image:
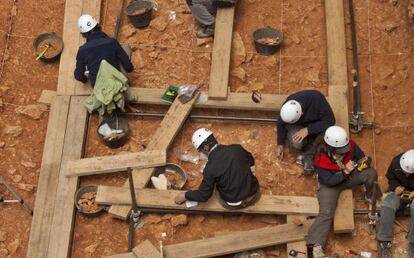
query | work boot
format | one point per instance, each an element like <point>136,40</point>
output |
<point>205,32</point>
<point>308,168</point>
<point>410,250</point>
<point>317,252</point>
<point>384,249</point>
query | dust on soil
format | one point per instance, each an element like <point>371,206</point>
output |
<point>167,53</point>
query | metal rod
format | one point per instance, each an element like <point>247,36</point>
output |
<point>355,67</point>
<point>204,117</point>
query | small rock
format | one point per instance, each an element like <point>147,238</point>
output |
<point>152,219</point>
<point>17,178</point>
<point>204,41</point>
<point>153,55</point>
<point>297,222</point>
<point>28,164</point>
<point>179,220</point>
<point>296,39</point>
<point>11,171</point>
<point>129,31</point>
<point>2,144</point>
<point>377,131</point>
<point>34,111</point>
<point>13,130</point>
<point>3,236</point>
<point>140,62</point>
<point>239,73</point>
<point>249,57</point>
<point>13,246</point>
<point>238,55</point>
<point>92,248</point>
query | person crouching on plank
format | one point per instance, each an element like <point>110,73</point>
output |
<point>335,161</point>
<point>228,169</point>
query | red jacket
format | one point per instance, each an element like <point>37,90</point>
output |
<point>323,161</point>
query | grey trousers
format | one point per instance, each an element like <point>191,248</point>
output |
<point>389,207</point>
<point>328,197</point>
<point>306,145</point>
<point>203,11</point>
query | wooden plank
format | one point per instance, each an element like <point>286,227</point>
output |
<point>239,101</point>
<point>299,245</point>
<point>338,98</point>
<point>60,243</point>
<point>123,255</point>
<point>146,250</point>
<point>162,139</point>
<point>152,198</point>
<point>47,184</point>
<point>46,97</point>
<point>220,60</point>
<point>238,242</point>
<point>115,163</point>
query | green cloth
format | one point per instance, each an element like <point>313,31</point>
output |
<point>109,87</point>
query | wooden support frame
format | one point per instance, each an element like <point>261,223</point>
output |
<point>338,98</point>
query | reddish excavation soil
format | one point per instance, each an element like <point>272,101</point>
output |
<point>167,53</point>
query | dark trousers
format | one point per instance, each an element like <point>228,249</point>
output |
<point>244,203</point>
<point>328,197</point>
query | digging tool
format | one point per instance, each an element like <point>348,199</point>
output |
<point>134,215</point>
<point>47,46</point>
<point>16,195</point>
<point>118,19</point>
<point>357,119</point>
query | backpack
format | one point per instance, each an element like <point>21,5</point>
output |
<point>224,3</point>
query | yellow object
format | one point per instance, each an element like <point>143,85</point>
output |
<point>363,163</point>
<point>43,52</point>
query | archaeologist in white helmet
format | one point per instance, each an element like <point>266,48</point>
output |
<point>303,116</point>
<point>337,162</point>
<point>400,177</point>
<point>228,172</point>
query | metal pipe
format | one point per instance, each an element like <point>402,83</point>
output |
<point>224,118</point>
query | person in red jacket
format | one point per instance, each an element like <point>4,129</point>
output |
<point>335,161</point>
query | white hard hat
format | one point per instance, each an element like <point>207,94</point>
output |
<point>86,23</point>
<point>199,136</point>
<point>407,162</point>
<point>291,111</point>
<point>337,137</point>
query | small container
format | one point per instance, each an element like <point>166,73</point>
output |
<point>139,13</point>
<point>55,49</point>
<point>264,47</point>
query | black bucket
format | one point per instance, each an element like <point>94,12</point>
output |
<point>87,189</point>
<point>139,13</point>
<point>56,46</point>
<point>115,122</point>
<point>274,40</point>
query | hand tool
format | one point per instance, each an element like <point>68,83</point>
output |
<point>256,96</point>
<point>134,215</point>
<point>47,46</point>
<point>357,122</point>
<point>16,195</point>
<point>295,253</point>
<point>363,163</point>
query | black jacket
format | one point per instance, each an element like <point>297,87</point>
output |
<point>396,176</point>
<point>317,114</point>
<point>227,169</point>
<point>99,47</point>
<point>334,177</point>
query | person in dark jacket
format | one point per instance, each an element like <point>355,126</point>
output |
<point>98,47</point>
<point>228,169</point>
<point>305,115</point>
<point>205,13</point>
<point>400,177</point>
<point>335,161</point>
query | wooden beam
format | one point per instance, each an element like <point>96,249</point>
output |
<point>146,249</point>
<point>123,255</point>
<point>152,198</point>
<point>47,184</point>
<point>239,101</point>
<point>220,61</point>
<point>60,243</point>
<point>161,140</point>
<point>298,245</point>
<point>238,242</point>
<point>115,163</point>
<point>338,98</point>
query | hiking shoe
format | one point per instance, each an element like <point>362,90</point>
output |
<point>410,250</point>
<point>384,249</point>
<point>205,32</point>
<point>308,168</point>
<point>299,160</point>
<point>318,252</point>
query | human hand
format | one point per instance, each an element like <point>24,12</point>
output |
<point>180,198</point>
<point>300,135</point>
<point>349,166</point>
<point>86,73</point>
<point>399,190</point>
<point>279,152</point>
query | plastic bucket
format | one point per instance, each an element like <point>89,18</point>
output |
<point>55,49</point>
<point>139,13</point>
<point>170,167</point>
<point>115,122</point>
<point>267,40</point>
<point>78,195</point>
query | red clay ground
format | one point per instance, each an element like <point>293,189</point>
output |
<point>167,53</point>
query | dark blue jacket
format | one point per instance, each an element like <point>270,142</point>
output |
<point>396,176</point>
<point>317,114</point>
<point>99,47</point>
